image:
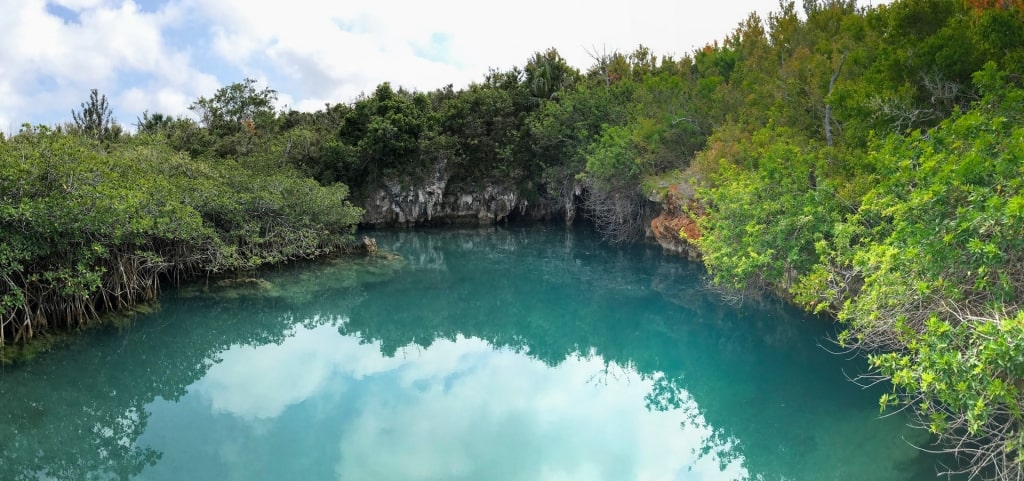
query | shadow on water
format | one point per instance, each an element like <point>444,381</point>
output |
<point>756,376</point>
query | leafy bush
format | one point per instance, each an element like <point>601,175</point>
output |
<point>766,212</point>
<point>85,229</point>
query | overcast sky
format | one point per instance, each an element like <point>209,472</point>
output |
<point>161,55</point>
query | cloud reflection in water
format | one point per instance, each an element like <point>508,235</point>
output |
<point>455,410</point>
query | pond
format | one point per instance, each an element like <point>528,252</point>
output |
<point>534,353</point>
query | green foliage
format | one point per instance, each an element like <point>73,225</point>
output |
<point>548,75</point>
<point>614,156</point>
<point>766,212</point>
<point>963,380</point>
<point>237,116</point>
<point>951,199</point>
<point>909,227</point>
<point>485,123</point>
<point>237,107</point>
<point>182,134</point>
<point>96,120</point>
<point>387,136</point>
<point>961,374</point>
<point>563,131</point>
<point>928,274</point>
<point>86,230</point>
<point>656,187</point>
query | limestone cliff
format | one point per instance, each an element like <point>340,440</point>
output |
<point>434,202</point>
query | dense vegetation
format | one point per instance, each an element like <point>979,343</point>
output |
<point>879,178</point>
<point>889,195</point>
<point>93,221</point>
<point>865,162</point>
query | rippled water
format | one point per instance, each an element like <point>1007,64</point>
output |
<point>497,354</point>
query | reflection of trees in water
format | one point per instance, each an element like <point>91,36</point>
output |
<point>583,298</point>
<point>756,371</point>
<point>667,394</point>
<point>85,426</point>
<point>83,421</point>
<point>509,287</point>
<point>89,439</point>
<point>488,291</point>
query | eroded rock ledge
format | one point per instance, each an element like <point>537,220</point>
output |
<point>435,202</point>
<point>675,228</point>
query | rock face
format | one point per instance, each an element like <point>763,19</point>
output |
<point>675,228</point>
<point>396,205</point>
<point>433,202</point>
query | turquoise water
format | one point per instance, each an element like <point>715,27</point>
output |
<point>498,354</point>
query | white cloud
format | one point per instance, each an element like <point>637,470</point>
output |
<point>333,52</point>
<point>56,61</point>
<point>261,382</point>
<point>80,4</point>
<point>313,52</point>
<point>500,415</point>
<point>459,410</point>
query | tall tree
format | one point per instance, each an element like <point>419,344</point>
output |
<point>237,117</point>
<point>237,107</point>
<point>547,74</point>
<point>96,120</point>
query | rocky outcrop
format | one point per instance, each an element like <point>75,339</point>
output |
<point>675,228</point>
<point>397,205</point>
<point>434,202</point>
<point>492,204</point>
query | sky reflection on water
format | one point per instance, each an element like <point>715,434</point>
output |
<point>502,354</point>
<point>455,410</point>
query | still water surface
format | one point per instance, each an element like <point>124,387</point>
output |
<point>498,354</point>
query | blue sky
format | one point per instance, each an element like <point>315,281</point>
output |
<point>161,55</point>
